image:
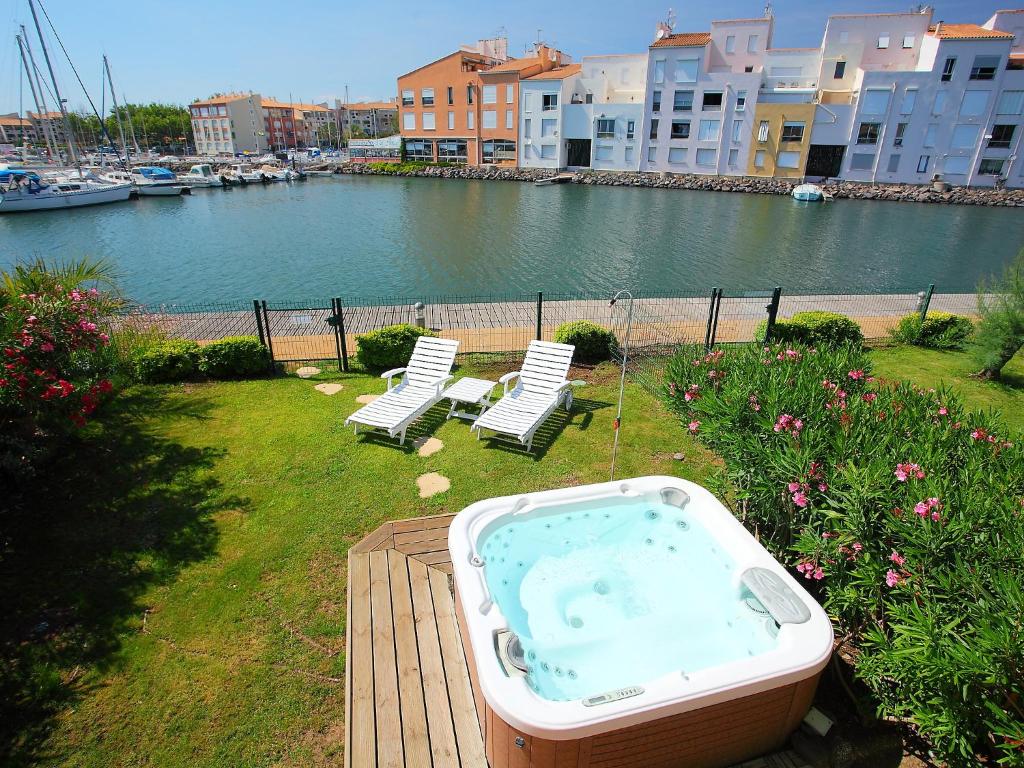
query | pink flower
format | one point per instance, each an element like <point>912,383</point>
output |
<point>818,573</point>
<point>693,426</point>
<point>856,375</point>
<point>943,411</point>
<point>931,505</point>
<point>897,558</point>
<point>46,347</point>
<point>692,393</point>
<point>857,546</point>
<point>753,403</point>
<point>892,578</point>
<point>822,487</point>
<point>869,397</point>
<point>827,535</point>
<point>792,354</point>
<point>979,434</point>
<point>672,389</point>
<point>921,508</point>
<point>904,471</point>
<point>793,487</point>
<point>800,499</point>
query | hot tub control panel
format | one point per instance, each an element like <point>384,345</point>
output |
<point>610,696</point>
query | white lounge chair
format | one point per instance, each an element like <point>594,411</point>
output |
<point>541,388</point>
<point>423,381</point>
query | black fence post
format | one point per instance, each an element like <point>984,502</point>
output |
<point>712,319</point>
<point>270,344</point>
<point>773,314</point>
<point>259,321</point>
<point>540,309</point>
<point>340,330</point>
<point>924,300</point>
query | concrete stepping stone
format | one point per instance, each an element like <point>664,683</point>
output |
<point>307,372</point>
<point>432,483</point>
<point>364,399</point>
<point>427,446</point>
<point>328,389</point>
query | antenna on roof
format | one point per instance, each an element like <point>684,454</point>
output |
<point>671,20</point>
<point>768,9</point>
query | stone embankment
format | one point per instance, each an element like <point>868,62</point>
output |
<point>1013,198</point>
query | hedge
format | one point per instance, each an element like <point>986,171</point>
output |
<point>234,357</point>
<point>814,329</point>
<point>167,361</point>
<point>593,343</point>
<point>940,330</point>
<point>388,347</point>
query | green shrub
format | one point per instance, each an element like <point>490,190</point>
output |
<point>593,343</point>
<point>940,330</point>
<point>814,329</point>
<point>234,357</point>
<point>167,361</point>
<point>1001,329</point>
<point>901,508</point>
<point>388,347</point>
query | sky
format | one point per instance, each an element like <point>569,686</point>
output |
<point>311,50</point>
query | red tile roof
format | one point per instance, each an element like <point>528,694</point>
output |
<point>967,32</point>
<point>513,65</point>
<point>558,73</point>
<point>682,40</point>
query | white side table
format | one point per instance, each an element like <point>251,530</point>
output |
<point>472,392</point>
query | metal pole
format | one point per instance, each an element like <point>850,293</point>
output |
<point>336,312</point>
<point>714,327</point>
<point>259,321</point>
<point>711,315</point>
<point>926,299</point>
<point>56,89</point>
<point>270,344</point>
<point>622,376</point>
<point>773,313</point>
<point>341,335</point>
<point>540,309</point>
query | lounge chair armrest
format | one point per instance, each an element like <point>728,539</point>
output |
<point>504,380</point>
<point>441,383</point>
<point>389,375</point>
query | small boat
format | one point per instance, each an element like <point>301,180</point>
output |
<point>808,193</point>
<point>154,181</point>
<point>201,175</point>
<point>319,172</point>
<point>25,191</point>
<point>275,173</point>
<point>244,173</point>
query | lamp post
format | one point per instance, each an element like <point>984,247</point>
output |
<point>622,377</point>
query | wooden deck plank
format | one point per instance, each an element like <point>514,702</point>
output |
<point>386,701</point>
<point>373,540</point>
<point>443,746</point>
<point>422,523</point>
<point>419,547</point>
<point>361,731</point>
<point>460,693</point>
<point>438,557</point>
<point>426,534</point>
<point>410,681</point>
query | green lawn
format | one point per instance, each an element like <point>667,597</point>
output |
<point>930,368</point>
<point>180,598</point>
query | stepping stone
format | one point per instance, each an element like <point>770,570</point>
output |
<point>328,389</point>
<point>428,446</point>
<point>364,399</point>
<point>432,483</point>
<point>307,372</point>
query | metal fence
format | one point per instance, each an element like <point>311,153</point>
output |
<point>326,329</point>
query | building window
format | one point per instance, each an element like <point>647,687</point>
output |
<point>861,162</point>
<point>549,101</point>
<point>956,165</point>
<point>490,119</point>
<point>630,128</point>
<point>548,128</point>
<point>1002,135</point>
<point>451,121</point>
<point>741,100</point>
<point>974,103</point>
<point>470,119</point>
<point>629,154</point>
<point>909,101</point>
<point>1010,103</point>
<point>734,157</point>
<point>451,95</point>
<point>730,44</point>
<point>654,129</point>
<point>844,37</point>
<point>490,94</point>
<point>908,41</point>
<point>984,67</point>
<point>939,105</point>
<point>548,151</point>
<point>686,70</point>
<point>964,137</point>
<point>419,150</point>
<point>759,159</point>
<point>706,157</point>
<point>509,120</point>
<point>922,163</point>
<point>947,69</point>
<point>991,166</point>
<point>606,128</point>
<point>748,68</point>
<point>510,94</point>
<point>929,135</point>
<point>788,160</point>
<point>708,130</point>
<point>868,133</point>
<point>682,101</point>
<point>469,93</point>
<point>894,164</point>
<point>652,154</point>
<point>656,101</point>
<point>900,130</point>
<point>680,129</point>
<point>875,101</point>
<point>427,97</point>
<point>659,71</point>
<point>762,131</point>
<point>408,121</point>
<point>792,131</point>
<point>498,149</point>
<point>840,71</point>
<point>737,130</point>
<point>712,101</point>
<point>752,42</point>
<point>883,41</point>
<point>428,121</point>
<point>452,151</point>
<point>527,128</point>
<point>677,154</point>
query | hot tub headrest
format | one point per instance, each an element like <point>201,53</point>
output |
<point>677,497</point>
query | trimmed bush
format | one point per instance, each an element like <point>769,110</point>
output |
<point>593,343</point>
<point>234,357</point>
<point>940,330</point>
<point>388,347</point>
<point>167,361</point>
<point>815,329</point>
<point>899,508</point>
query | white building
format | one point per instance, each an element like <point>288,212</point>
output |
<point>702,88</point>
<point>606,110</point>
<point>227,124</point>
<point>542,98</point>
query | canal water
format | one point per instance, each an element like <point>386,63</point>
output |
<point>378,236</point>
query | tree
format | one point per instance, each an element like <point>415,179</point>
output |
<point>328,134</point>
<point>1000,333</point>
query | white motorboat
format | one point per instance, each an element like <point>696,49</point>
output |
<point>153,181</point>
<point>808,193</point>
<point>274,173</point>
<point>245,174</point>
<point>25,191</point>
<point>201,175</point>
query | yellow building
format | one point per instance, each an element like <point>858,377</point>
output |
<point>782,137</point>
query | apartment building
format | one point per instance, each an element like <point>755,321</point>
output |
<point>702,90</point>
<point>372,119</point>
<point>543,97</point>
<point>51,121</point>
<point>229,124</point>
<point>16,130</point>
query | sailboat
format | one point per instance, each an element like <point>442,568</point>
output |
<point>22,190</point>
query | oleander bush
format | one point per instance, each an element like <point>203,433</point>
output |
<point>902,510</point>
<point>388,347</point>
<point>167,361</point>
<point>234,357</point>
<point>813,329</point>
<point>593,343</point>
<point>940,330</point>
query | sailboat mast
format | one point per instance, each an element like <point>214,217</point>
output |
<point>35,97</point>
<point>131,128</point>
<point>41,107</point>
<point>56,88</point>
<point>117,109</point>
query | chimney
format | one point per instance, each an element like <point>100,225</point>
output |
<point>938,28</point>
<point>547,60</point>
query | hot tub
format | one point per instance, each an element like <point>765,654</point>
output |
<point>630,623</point>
